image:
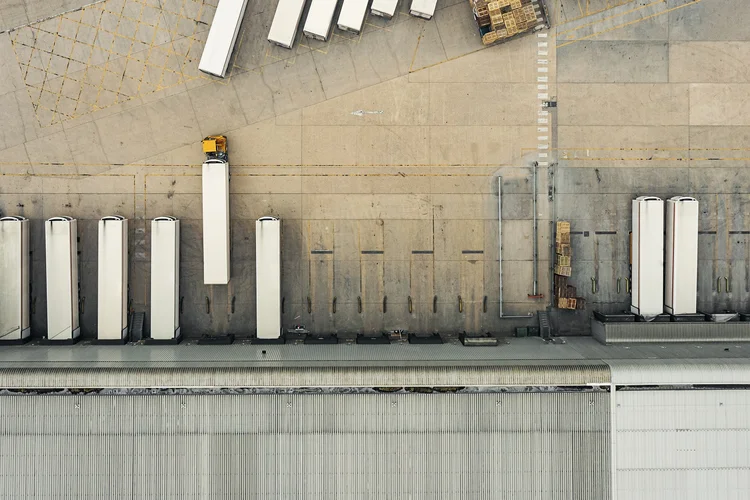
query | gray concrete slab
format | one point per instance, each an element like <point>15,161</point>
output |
<point>728,20</point>
<point>624,104</point>
<point>618,20</point>
<point>614,62</point>
<point>709,62</point>
<point>719,104</point>
<point>13,14</point>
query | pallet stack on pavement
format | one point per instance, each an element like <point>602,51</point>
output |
<point>565,293</point>
<point>481,12</point>
<point>500,19</point>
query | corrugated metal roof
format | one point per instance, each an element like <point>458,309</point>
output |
<point>511,350</point>
<point>611,333</point>
<point>527,348</point>
<point>520,361</point>
<point>299,377</point>
<point>680,372</point>
<point>682,444</point>
<point>484,446</point>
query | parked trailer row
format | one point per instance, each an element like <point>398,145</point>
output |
<point>62,279</point>
<point>227,21</point>
<point>320,16</point>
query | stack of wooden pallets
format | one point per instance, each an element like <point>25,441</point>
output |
<point>565,293</point>
<point>500,19</point>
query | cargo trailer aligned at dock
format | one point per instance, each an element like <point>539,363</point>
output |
<point>268,277</point>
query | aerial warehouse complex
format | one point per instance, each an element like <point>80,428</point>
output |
<point>462,249</point>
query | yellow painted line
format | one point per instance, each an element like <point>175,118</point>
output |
<point>679,158</point>
<point>316,50</point>
<point>396,174</point>
<point>591,13</point>
<point>72,176</point>
<point>642,149</point>
<point>667,11</point>
<point>609,17</point>
<point>380,28</point>
<point>416,49</point>
<point>258,165</point>
<point>79,176</point>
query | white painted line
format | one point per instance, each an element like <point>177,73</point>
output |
<point>542,35</point>
<point>542,138</point>
<point>542,53</point>
<point>543,163</point>
<point>542,44</point>
<point>543,113</point>
<point>543,69</point>
<point>542,120</point>
<point>543,96</point>
<point>541,79</point>
<point>543,155</point>
<point>542,87</point>
<point>543,62</point>
<point>543,146</point>
<point>542,129</point>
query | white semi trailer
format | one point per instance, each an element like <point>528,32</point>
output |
<point>647,297</point>
<point>268,277</point>
<point>423,8</point>
<point>61,256</point>
<point>384,8</point>
<point>286,22</point>
<point>222,36</point>
<point>216,257</point>
<point>320,19</point>
<point>681,254</point>
<point>165,279</point>
<point>112,280</point>
<point>352,15</point>
<point>14,279</point>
